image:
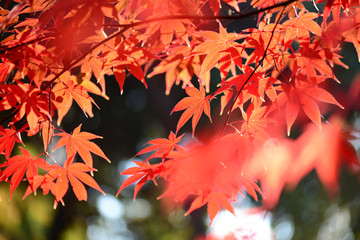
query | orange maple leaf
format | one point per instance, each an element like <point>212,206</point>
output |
<point>74,88</point>
<point>58,178</point>
<point>78,142</point>
<point>214,47</point>
<point>18,166</point>
<point>300,27</point>
<point>8,137</point>
<point>164,148</point>
<point>143,172</point>
<point>195,105</point>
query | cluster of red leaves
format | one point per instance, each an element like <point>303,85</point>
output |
<point>56,178</point>
<point>271,74</point>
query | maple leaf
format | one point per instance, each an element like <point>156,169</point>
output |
<point>310,59</point>
<point>5,69</point>
<point>304,95</point>
<point>18,166</point>
<point>214,47</point>
<point>164,148</point>
<point>334,7</point>
<point>350,27</point>
<point>127,56</point>
<point>215,5</point>
<point>232,59</point>
<point>28,101</point>
<point>324,150</point>
<point>271,163</point>
<point>250,86</point>
<point>47,133</point>
<point>214,201</point>
<point>287,161</point>
<point>47,62</point>
<point>78,142</point>
<point>266,38</point>
<point>77,176</point>
<point>167,29</point>
<point>58,179</point>
<point>255,123</point>
<point>195,105</point>
<point>212,174</point>
<point>8,137</point>
<point>143,172</point>
<point>95,66</point>
<point>261,87</point>
<point>178,67</point>
<point>300,27</point>
<point>76,88</point>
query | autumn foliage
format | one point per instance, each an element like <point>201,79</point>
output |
<point>264,78</point>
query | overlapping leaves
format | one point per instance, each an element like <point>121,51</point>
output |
<point>268,75</point>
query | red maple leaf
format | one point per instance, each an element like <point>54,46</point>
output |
<point>164,148</point>
<point>287,161</point>
<point>177,67</point>
<point>78,142</point>
<point>195,105</point>
<point>304,95</point>
<point>17,166</point>
<point>127,56</point>
<point>215,5</point>
<point>215,47</point>
<point>8,137</point>
<point>74,88</point>
<point>28,101</point>
<point>214,201</point>
<point>143,172</point>
<point>211,174</point>
<point>58,178</point>
<point>300,27</point>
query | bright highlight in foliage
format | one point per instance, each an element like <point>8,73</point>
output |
<point>272,78</point>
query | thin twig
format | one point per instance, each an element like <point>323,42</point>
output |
<point>252,73</point>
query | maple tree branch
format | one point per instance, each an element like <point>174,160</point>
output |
<point>27,43</point>
<point>130,25</point>
<point>252,73</point>
<point>197,17</point>
<point>82,57</point>
<point>9,116</point>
